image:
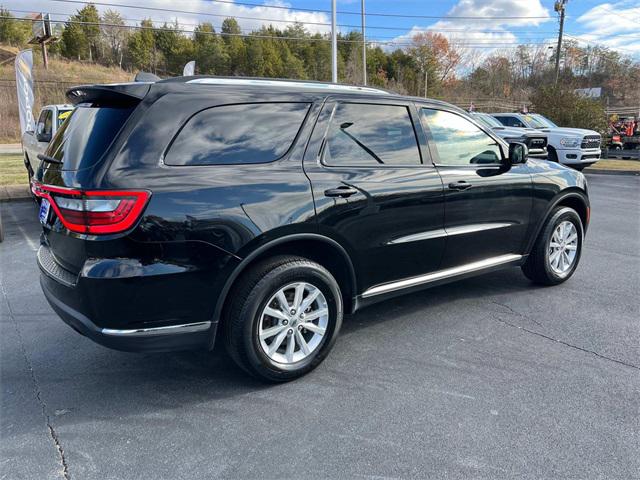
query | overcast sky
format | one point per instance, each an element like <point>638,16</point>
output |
<point>590,22</point>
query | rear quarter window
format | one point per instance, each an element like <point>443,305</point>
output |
<point>236,134</point>
<point>86,135</point>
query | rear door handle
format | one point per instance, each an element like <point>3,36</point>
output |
<point>461,185</point>
<point>342,192</point>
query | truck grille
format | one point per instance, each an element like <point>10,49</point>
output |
<point>536,142</point>
<point>591,141</point>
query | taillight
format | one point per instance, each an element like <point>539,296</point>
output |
<point>94,211</point>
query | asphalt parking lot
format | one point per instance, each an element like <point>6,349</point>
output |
<point>486,378</point>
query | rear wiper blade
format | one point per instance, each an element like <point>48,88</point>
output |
<point>48,159</point>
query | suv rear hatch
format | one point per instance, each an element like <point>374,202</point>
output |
<point>76,207</point>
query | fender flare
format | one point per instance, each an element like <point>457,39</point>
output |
<point>578,194</point>
<point>237,271</point>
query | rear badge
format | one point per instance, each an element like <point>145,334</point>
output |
<point>45,206</point>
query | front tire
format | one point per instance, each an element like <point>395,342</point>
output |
<point>552,155</point>
<point>284,317</point>
<point>556,253</point>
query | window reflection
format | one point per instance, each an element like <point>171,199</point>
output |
<point>458,141</point>
<point>235,134</point>
<point>370,135</point>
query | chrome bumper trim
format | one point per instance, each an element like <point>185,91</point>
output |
<point>440,274</point>
<point>168,330</point>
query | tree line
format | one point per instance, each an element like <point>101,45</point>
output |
<point>428,64</point>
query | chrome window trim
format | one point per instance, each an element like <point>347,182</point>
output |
<point>168,330</point>
<point>441,274</point>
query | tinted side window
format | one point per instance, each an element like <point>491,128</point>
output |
<point>233,134</point>
<point>369,135</point>
<point>45,120</point>
<point>458,141</point>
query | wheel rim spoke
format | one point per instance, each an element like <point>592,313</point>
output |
<point>298,296</point>
<point>272,312</point>
<point>316,314</point>
<point>277,342</point>
<point>291,345</point>
<point>271,332</point>
<point>310,299</point>
<point>312,327</point>
<point>302,342</point>
<point>282,300</point>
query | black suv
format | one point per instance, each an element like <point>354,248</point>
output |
<point>262,211</point>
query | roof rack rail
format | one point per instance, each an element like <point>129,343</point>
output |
<point>286,83</point>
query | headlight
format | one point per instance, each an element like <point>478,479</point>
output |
<point>514,139</point>
<point>570,142</point>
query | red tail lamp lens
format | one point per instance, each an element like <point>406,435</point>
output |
<point>95,211</point>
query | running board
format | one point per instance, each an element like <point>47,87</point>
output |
<point>440,275</point>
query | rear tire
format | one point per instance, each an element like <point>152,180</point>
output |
<point>556,253</point>
<point>260,331</point>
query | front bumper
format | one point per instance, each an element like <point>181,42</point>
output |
<point>578,156</point>
<point>96,309</point>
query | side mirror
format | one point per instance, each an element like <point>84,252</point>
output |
<point>41,136</point>
<point>518,153</point>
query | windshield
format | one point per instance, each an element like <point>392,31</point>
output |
<point>538,121</point>
<point>487,120</point>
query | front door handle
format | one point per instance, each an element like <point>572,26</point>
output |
<point>342,192</point>
<point>461,185</point>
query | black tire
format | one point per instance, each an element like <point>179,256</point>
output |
<point>537,268</point>
<point>249,297</point>
<point>552,155</point>
<point>579,167</point>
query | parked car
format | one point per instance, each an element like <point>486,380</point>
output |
<point>33,143</point>
<point>535,140</point>
<point>263,211</point>
<point>575,147</point>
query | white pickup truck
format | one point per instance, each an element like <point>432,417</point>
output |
<point>575,147</point>
<point>50,119</point>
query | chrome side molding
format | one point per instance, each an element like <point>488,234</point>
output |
<point>441,232</point>
<point>441,274</point>
<point>168,330</point>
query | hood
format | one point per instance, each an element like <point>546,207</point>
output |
<point>574,132</point>
<point>513,132</point>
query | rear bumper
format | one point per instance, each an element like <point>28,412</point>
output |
<point>158,339</point>
<point>83,304</point>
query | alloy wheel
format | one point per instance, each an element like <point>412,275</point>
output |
<point>293,323</point>
<point>563,248</point>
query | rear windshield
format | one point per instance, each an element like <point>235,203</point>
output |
<point>233,134</point>
<point>86,134</point>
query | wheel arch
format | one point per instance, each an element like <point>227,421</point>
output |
<point>319,248</point>
<point>574,198</point>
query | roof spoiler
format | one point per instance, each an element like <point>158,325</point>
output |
<point>115,94</point>
<point>146,77</point>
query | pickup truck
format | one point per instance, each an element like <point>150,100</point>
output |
<point>50,119</point>
<point>575,147</point>
<point>535,140</point>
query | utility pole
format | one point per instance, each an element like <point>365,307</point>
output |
<point>334,44</point>
<point>559,7</point>
<point>426,81</point>
<point>364,47</point>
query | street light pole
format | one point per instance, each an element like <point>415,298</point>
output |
<point>364,47</point>
<point>334,44</point>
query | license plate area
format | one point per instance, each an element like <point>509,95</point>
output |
<point>45,208</point>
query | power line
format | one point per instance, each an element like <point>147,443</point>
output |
<point>83,2</point>
<point>492,45</point>
<point>426,30</point>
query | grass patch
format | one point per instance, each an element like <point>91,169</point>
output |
<point>12,171</point>
<point>617,165</point>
